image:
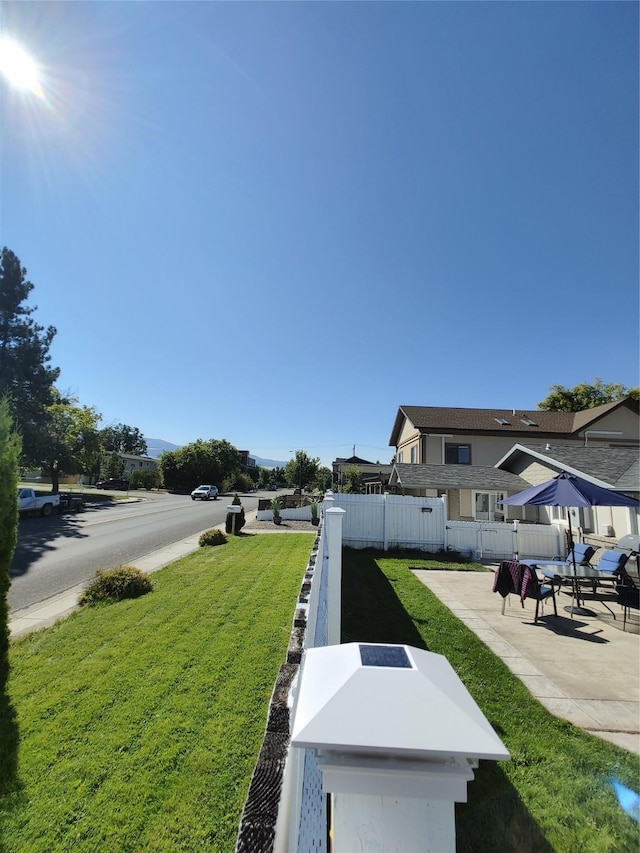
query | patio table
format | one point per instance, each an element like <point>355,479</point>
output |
<point>567,573</point>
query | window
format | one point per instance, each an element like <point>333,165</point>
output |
<point>457,454</point>
<point>414,455</point>
<point>486,506</point>
<point>400,455</point>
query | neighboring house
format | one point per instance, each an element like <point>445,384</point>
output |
<point>454,451</point>
<point>138,463</point>
<point>615,468</point>
<point>246,461</point>
<point>374,475</point>
<point>472,491</point>
<point>445,436</point>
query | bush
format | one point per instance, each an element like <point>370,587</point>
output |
<point>212,537</point>
<point>116,584</point>
<point>144,478</point>
<point>239,517</point>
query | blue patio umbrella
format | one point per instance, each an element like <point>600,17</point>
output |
<point>567,490</point>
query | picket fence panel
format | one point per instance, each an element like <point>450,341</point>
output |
<point>402,521</point>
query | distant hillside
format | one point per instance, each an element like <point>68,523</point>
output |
<point>267,463</point>
<point>155,446</point>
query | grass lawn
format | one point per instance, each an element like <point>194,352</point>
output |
<point>140,722</point>
<point>555,794</point>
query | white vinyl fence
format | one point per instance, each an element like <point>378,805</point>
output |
<point>504,540</point>
<point>299,822</point>
<point>400,521</point>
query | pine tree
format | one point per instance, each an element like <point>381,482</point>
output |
<point>26,377</point>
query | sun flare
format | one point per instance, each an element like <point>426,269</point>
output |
<point>18,67</point>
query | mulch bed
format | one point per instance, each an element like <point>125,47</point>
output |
<point>287,526</point>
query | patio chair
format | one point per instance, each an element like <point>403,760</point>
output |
<point>507,579</point>
<point>532,588</point>
<point>583,555</point>
<point>612,562</point>
<point>628,598</point>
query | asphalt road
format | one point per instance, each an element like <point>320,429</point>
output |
<point>56,553</point>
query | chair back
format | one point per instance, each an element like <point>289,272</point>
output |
<point>530,584</point>
<point>612,561</point>
<point>508,578</point>
<point>583,553</point>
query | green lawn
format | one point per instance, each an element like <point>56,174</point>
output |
<point>555,794</point>
<point>140,722</point>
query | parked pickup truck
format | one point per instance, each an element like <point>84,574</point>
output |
<point>31,501</point>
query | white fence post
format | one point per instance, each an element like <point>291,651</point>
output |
<point>385,537</point>
<point>333,520</point>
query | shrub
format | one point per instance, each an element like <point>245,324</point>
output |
<point>212,537</point>
<point>144,478</point>
<point>116,584</point>
<point>240,519</point>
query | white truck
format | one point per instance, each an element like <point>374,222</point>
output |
<point>31,501</point>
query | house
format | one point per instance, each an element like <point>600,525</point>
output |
<point>374,475</point>
<point>473,492</point>
<point>246,461</point>
<point>445,436</point>
<point>138,463</point>
<point>616,468</point>
<point>454,451</point>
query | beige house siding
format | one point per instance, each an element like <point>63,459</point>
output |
<point>485,449</point>
<point>409,437</point>
<point>622,420</point>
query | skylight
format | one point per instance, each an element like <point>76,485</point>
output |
<point>527,421</point>
<point>502,421</point>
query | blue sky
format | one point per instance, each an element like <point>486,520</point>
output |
<point>275,223</point>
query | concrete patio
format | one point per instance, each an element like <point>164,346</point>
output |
<point>585,670</point>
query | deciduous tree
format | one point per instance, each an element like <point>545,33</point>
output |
<point>301,470</point>
<point>585,396</point>
<point>353,480</point>
<point>121,438</point>
<point>200,462</point>
<point>68,437</point>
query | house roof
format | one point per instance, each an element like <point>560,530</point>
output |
<point>353,460</point>
<point>455,477</point>
<point>518,422</point>
<point>613,467</point>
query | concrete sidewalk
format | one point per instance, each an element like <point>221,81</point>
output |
<point>585,670</point>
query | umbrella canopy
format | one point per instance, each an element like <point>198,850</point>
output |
<point>569,490</point>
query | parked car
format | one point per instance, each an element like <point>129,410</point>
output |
<point>205,493</point>
<point>116,483</point>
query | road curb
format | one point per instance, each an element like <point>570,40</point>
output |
<point>51,610</point>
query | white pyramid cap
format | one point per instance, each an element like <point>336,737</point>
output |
<point>403,702</point>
